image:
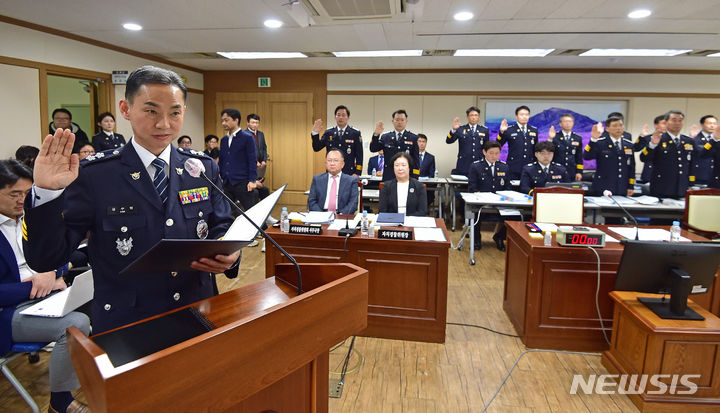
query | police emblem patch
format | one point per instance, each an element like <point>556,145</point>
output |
<point>135,176</point>
<point>179,171</point>
<point>124,245</point>
<point>202,229</point>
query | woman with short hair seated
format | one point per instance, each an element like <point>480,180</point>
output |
<point>403,194</point>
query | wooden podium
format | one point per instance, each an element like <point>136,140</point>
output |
<point>268,352</point>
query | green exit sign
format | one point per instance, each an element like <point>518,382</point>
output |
<point>263,82</point>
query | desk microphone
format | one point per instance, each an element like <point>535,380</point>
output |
<point>637,229</point>
<point>196,169</point>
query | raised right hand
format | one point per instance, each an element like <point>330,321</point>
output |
<point>597,130</point>
<point>56,166</point>
<point>379,128</point>
<point>655,138</point>
<point>503,126</point>
<point>551,133</point>
<point>645,130</point>
<point>317,126</point>
<point>456,123</point>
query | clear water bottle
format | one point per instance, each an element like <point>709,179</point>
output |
<point>437,174</point>
<point>364,225</point>
<point>374,172</point>
<point>548,239</point>
<point>675,232</point>
<point>284,220</point>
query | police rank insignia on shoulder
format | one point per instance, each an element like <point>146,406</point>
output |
<point>193,195</point>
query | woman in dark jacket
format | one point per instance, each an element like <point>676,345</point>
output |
<point>403,194</point>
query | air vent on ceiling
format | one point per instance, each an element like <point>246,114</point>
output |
<point>349,10</point>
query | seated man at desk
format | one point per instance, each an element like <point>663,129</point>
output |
<point>334,191</point>
<point>377,163</point>
<point>403,194</point>
<point>542,171</point>
<point>489,175</point>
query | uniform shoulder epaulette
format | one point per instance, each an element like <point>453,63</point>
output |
<point>478,161</point>
<point>193,153</point>
<point>502,162</point>
<point>530,164</point>
<point>353,128</point>
<point>100,157</point>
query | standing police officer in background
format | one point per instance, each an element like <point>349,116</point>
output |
<point>704,166</point>
<point>471,139</point>
<point>399,140</point>
<point>128,200</point>
<point>615,170</point>
<point>521,139</point>
<point>568,147</point>
<point>641,143</point>
<point>672,157</point>
<point>342,137</point>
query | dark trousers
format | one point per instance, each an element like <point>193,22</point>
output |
<point>239,193</point>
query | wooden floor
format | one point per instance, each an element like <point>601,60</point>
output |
<point>401,376</point>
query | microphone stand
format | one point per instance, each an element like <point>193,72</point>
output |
<point>637,229</point>
<point>282,251</point>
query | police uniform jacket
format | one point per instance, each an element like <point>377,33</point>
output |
<point>350,144</point>
<point>102,142</point>
<point>568,153</point>
<point>238,163</point>
<point>482,179</point>
<point>521,147</point>
<point>672,164</point>
<point>703,166</point>
<point>711,149</point>
<point>647,164</point>
<point>615,170</point>
<point>114,199</point>
<point>470,145</point>
<point>533,176</point>
<point>390,144</point>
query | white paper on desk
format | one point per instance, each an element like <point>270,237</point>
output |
<point>674,202</point>
<point>429,234</point>
<point>647,200</point>
<point>339,224</point>
<point>645,234</point>
<point>312,217</point>
<point>371,217</point>
<point>623,200</point>
<point>483,197</point>
<point>423,178</point>
<point>507,212</point>
<point>600,200</point>
<point>609,238</point>
<point>423,222</point>
<point>459,177</point>
<point>515,196</point>
<point>544,226</point>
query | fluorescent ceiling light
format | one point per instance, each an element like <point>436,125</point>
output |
<point>273,24</point>
<point>132,26</point>
<point>639,14</point>
<point>463,16</point>
<point>379,53</point>
<point>714,55</point>
<point>503,52</point>
<point>261,55</point>
<point>634,52</point>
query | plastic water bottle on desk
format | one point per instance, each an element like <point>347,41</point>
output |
<point>284,220</point>
<point>364,225</point>
<point>437,174</point>
<point>374,172</point>
<point>675,232</point>
<point>548,239</point>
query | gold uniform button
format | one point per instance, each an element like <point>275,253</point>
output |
<point>169,222</point>
<point>107,307</point>
<point>176,296</point>
<point>174,273</point>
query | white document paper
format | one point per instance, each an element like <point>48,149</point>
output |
<point>623,200</point>
<point>312,217</point>
<point>423,222</point>
<point>600,200</point>
<point>647,200</point>
<point>459,177</point>
<point>546,227</point>
<point>645,234</point>
<point>515,196</point>
<point>507,212</point>
<point>485,197</point>
<point>429,234</point>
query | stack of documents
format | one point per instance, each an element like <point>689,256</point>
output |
<point>459,177</point>
<point>423,222</point>
<point>544,227</point>
<point>647,200</point>
<point>312,217</point>
<point>515,196</point>
<point>674,202</point>
<point>600,200</point>
<point>489,197</point>
<point>429,234</point>
<point>645,234</point>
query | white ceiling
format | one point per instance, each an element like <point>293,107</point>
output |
<point>176,28</point>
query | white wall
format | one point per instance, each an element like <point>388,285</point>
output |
<point>20,114</point>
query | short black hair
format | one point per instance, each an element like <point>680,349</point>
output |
<point>674,112</point>
<point>472,109</point>
<point>152,75</point>
<point>422,136</point>
<point>519,108</point>
<point>63,110</point>
<point>399,155</point>
<point>616,115</point>
<point>567,115</point>
<point>210,137</point>
<point>545,146</point>
<point>12,170</point>
<point>214,153</point>
<point>27,154</point>
<point>180,139</point>
<point>492,144</point>
<point>399,112</point>
<point>231,112</point>
<point>610,120</point>
<point>706,117</point>
<point>253,116</point>
<point>104,115</point>
<point>658,118</point>
<point>340,107</point>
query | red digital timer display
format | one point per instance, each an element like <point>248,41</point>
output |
<point>582,239</point>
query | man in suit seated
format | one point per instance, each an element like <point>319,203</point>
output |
<point>542,171</point>
<point>403,194</point>
<point>334,191</point>
<point>426,164</point>
<point>489,174</point>
<point>377,163</point>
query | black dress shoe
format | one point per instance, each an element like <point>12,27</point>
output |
<point>499,243</point>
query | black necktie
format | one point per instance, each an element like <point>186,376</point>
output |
<point>160,179</point>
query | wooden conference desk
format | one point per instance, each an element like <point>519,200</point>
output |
<point>407,279</point>
<point>549,292</point>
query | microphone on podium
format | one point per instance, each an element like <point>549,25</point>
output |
<point>609,194</point>
<point>196,169</point>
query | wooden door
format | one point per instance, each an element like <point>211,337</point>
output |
<point>286,121</point>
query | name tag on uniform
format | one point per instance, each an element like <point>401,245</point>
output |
<point>349,140</point>
<point>513,134</point>
<point>501,174</point>
<point>408,142</point>
<point>190,196</point>
<point>481,133</point>
<point>576,143</point>
<point>532,133</point>
<point>557,177</point>
<point>628,151</point>
<point>121,210</point>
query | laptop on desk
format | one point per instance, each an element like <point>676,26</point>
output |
<point>61,303</point>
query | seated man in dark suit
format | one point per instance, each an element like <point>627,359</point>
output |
<point>403,194</point>
<point>489,175</point>
<point>426,164</point>
<point>377,163</point>
<point>334,191</point>
<point>542,171</point>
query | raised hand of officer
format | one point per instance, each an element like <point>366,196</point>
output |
<point>379,128</point>
<point>597,130</point>
<point>551,133</point>
<point>645,130</point>
<point>56,166</point>
<point>655,138</point>
<point>456,124</point>
<point>694,130</point>
<point>317,126</point>
<point>503,126</point>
